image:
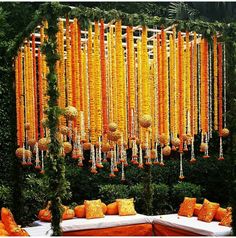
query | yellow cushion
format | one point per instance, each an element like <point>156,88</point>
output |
<point>220,214</point>
<point>93,209</point>
<point>187,207</point>
<point>197,209</point>
<point>126,207</point>
<point>227,220</point>
<point>208,211</point>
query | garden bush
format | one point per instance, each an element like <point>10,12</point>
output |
<point>5,196</point>
<point>184,189</point>
<point>110,192</point>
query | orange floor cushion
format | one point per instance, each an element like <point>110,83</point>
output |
<point>10,225</point>
<point>227,220</point>
<point>112,208</point>
<point>208,211</point>
<point>220,214</point>
<point>197,209</point>
<point>80,211</point>
<point>187,207</point>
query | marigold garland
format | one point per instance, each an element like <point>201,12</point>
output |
<point>220,89</point>
<point>97,81</point>
<point>215,55</point>
<point>128,88</point>
<point>103,79</point>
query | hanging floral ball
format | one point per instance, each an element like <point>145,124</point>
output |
<point>181,177</point>
<point>145,121</point>
<point>203,147</point>
<point>105,147</point>
<point>97,144</point>
<point>44,122</point>
<point>112,126</point>
<point>185,137</point>
<point>87,146</point>
<point>193,160</point>
<point>19,153</point>
<point>176,142</point>
<point>144,146</point>
<point>64,130</point>
<point>70,113</point>
<point>109,154</point>
<point>67,147</point>
<point>28,154</point>
<point>163,139</point>
<point>27,126</point>
<point>117,135</point>
<point>43,144</point>
<point>153,154</point>
<point>166,150</point>
<point>225,132</point>
<point>31,142</point>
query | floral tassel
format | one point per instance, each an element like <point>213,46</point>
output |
<point>92,157</point>
<point>220,101</point>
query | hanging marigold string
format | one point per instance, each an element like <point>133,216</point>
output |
<point>160,82</point>
<point>181,108</point>
<point>215,55</point>
<point>17,99</point>
<point>220,85</point>
<point>103,78</point>
<point>97,81</point>
<point>91,86</point>
<point>68,65</point>
<point>35,86</point>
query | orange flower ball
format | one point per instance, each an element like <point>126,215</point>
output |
<point>203,147</point>
<point>145,121</point>
<point>43,144</point>
<point>153,154</point>
<point>114,136</point>
<point>19,153</point>
<point>163,139</point>
<point>166,150</point>
<point>67,147</point>
<point>70,113</point>
<point>109,154</point>
<point>144,146</point>
<point>27,126</point>
<point>31,142</point>
<point>105,147</point>
<point>225,132</point>
<point>64,130</point>
<point>112,126</point>
<point>185,137</point>
<point>87,146</point>
<point>28,154</point>
<point>175,142</point>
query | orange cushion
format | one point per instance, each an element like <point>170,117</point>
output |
<point>2,225</point>
<point>3,232</point>
<point>93,209</point>
<point>208,211</point>
<point>80,211</point>
<point>126,207</point>
<point>15,230</point>
<point>220,214</point>
<point>68,214</point>
<point>227,220</point>
<point>197,208</point>
<point>187,207</point>
<point>112,208</point>
<point>44,215</point>
<point>104,208</point>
